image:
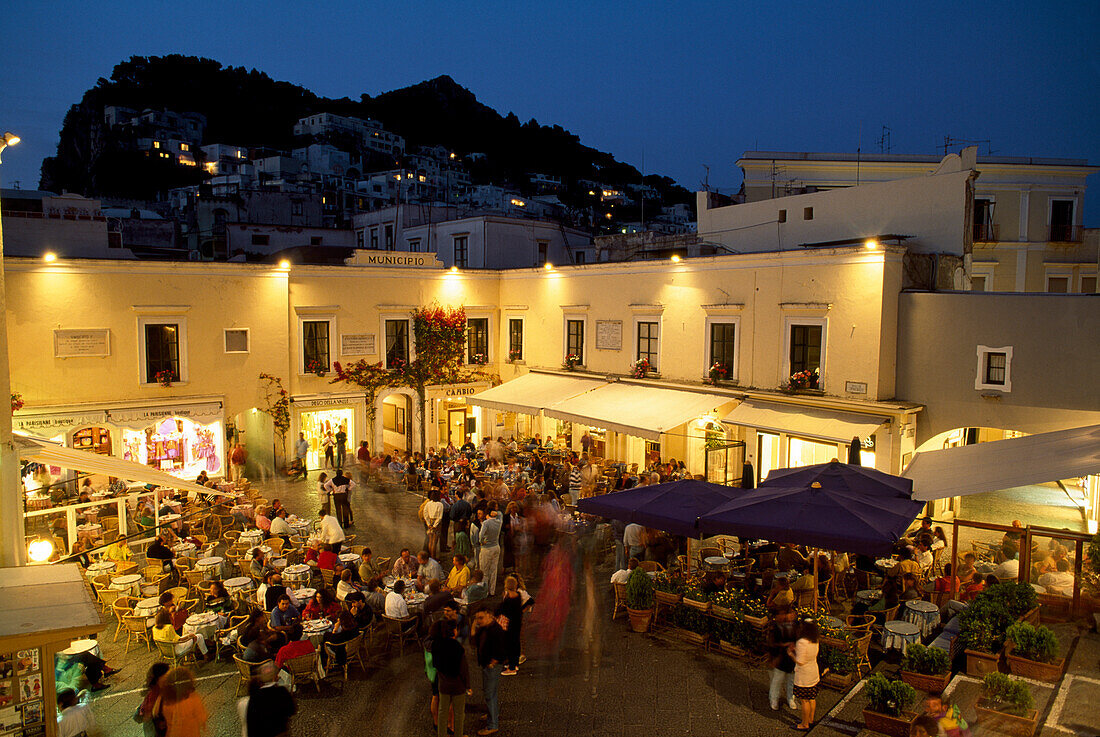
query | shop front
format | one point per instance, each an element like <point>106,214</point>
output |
<point>326,419</point>
<point>452,420</point>
<point>180,439</point>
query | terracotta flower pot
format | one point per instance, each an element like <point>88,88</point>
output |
<point>999,722</point>
<point>900,726</point>
<point>838,681</point>
<point>1038,670</point>
<point>930,684</point>
<point>978,663</point>
<point>639,619</point>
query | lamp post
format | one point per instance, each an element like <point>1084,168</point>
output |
<point>12,534</point>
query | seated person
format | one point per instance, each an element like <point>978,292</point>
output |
<point>428,570</point>
<point>261,647</point>
<point>966,568</point>
<point>376,595</point>
<point>344,630</point>
<point>313,554</point>
<point>357,607</point>
<point>263,522</point>
<point>165,632</point>
<point>367,567</point>
<point>910,591</point>
<point>972,588</point>
<point>118,551</point>
<point>804,582</point>
<point>923,553</point>
<point>459,577</point>
<point>1059,582</point>
<point>1009,567</point>
<point>947,583</point>
<point>715,581</point>
<point>789,559</point>
<point>168,603</point>
<point>219,600</point>
<point>396,606</point>
<point>280,527</point>
<point>75,719</point>
<point>405,566</point>
<point>260,565</point>
<point>327,559</point>
<point>623,574</point>
<point>437,597</point>
<point>780,594</point>
<point>161,552</point>
<point>323,605</point>
<point>295,648</point>
<point>906,564</point>
<point>477,590</point>
<point>284,616</point>
<point>273,589</point>
<point>345,585</point>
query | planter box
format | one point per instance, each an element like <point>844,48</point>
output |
<point>929,684</point>
<point>894,726</point>
<point>833,642</point>
<point>998,722</point>
<point>703,606</point>
<point>728,648</point>
<point>838,682</point>
<point>663,597</point>
<point>755,621</point>
<point>639,619</point>
<point>722,613</point>
<point>978,664</point>
<point>1031,617</point>
<point>693,637</point>
<point>1018,666</point>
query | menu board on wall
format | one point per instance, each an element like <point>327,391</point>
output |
<point>357,344</point>
<point>609,335</point>
<point>77,343</point>
<point>22,694</point>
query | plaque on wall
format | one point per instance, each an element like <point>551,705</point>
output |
<point>357,344</point>
<point>609,335</point>
<point>78,343</point>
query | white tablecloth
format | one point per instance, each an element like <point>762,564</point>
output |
<point>103,566</point>
<point>185,550</point>
<point>924,614</point>
<point>238,585</point>
<point>148,608</point>
<point>315,630</point>
<point>252,537</point>
<point>303,595</point>
<point>205,624</point>
<point>348,558</point>
<point>297,574</point>
<point>899,634</point>
<point>211,567</point>
<point>129,583</point>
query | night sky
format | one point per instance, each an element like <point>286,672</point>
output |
<point>684,85</point>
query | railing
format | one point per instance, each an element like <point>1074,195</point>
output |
<point>985,232</point>
<point>1064,233</point>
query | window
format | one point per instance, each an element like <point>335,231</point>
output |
<point>397,343</point>
<point>389,237</point>
<point>260,240</point>
<point>1058,284</point>
<point>461,252</point>
<point>374,238</point>
<point>515,339</point>
<point>648,342</point>
<point>544,249</point>
<point>296,208</point>
<point>315,353</point>
<point>977,283</point>
<point>782,216</point>
<point>1061,221</point>
<point>805,348</point>
<point>162,351</point>
<point>579,257</point>
<point>360,239</point>
<point>477,340</point>
<point>994,368</point>
<point>184,147</point>
<point>808,213</point>
<point>983,220</point>
<point>414,245</point>
<point>1088,285</point>
<point>723,348</point>
<point>574,339</point>
<point>315,240</point>
<point>236,340</point>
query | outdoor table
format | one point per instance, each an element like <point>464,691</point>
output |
<point>211,567</point>
<point>252,537</point>
<point>82,646</point>
<point>297,574</point>
<point>303,595</point>
<point>96,569</point>
<point>98,496</point>
<point>1039,589</point>
<point>171,520</point>
<point>984,567</point>
<point>899,634</point>
<point>278,563</point>
<point>129,582</point>
<point>922,613</point>
<point>245,510</point>
<point>148,608</point>
<point>238,586</point>
<point>868,596</point>
<point>89,531</point>
<point>349,557</point>
<point>886,564</point>
<point>833,622</point>
<point>184,549</point>
<point>265,549</point>
<point>415,599</point>
<point>205,624</point>
<point>91,515</point>
<point>315,630</point>
<point>716,561</point>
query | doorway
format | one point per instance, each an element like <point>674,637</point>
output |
<point>456,427</point>
<point>767,453</point>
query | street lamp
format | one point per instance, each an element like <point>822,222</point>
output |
<point>13,550</point>
<point>10,139</point>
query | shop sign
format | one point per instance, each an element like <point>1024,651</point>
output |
<point>49,425</point>
<point>461,391</point>
<point>327,402</point>
<point>357,344</point>
<point>74,343</point>
<point>143,416</point>
<point>609,335</point>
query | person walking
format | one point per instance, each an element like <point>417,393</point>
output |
<point>237,460</point>
<point>806,673</point>
<point>781,635</point>
<point>340,486</point>
<point>267,709</point>
<point>330,529</point>
<point>155,683</point>
<point>328,443</point>
<point>512,607</point>
<point>301,450</point>
<point>489,558</point>
<point>488,637</point>
<point>452,679</point>
<point>181,707</point>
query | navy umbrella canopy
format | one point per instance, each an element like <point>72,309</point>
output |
<point>672,506</point>
<point>837,475</point>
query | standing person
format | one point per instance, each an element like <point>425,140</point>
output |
<point>154,686</point>
<point>301,450</point>
<point>511,608</point>
<point>488,637</point>
<point>237,460</point>
<point>267,709</point>
<point>341,446</point>
<point>340,486</point>
<point>806,673</point>
<point>453,679</point>
<point>433,519</point>
<point>489,538</point>
<point>781,636</point>
<point>363,457</point>
<point>575,482</point>
<point>330,529</point>
<point>182,708</point>
<point>328,443</point>
<point>77,720</point>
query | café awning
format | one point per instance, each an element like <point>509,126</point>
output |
<point>533,392</point>
<point>812,422</point>
<point>642,411</point>
<point>46,452</point>
<point>1004,464</point>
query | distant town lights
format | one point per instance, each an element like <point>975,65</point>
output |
<point>49,257</point>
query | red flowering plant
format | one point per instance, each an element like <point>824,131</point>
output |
<point>717,372</point>
<point>370,377</point>
<point>276,404</point>
<point>808,379</point>
<point>165,377</point>
<point>640,368</point>
<point>16,401</point>
<point>317,367</point>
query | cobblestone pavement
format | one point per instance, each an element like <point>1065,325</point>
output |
<point>609,682</point>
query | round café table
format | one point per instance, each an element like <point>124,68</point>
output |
<point>868,596</point>
<point>204,623</point>
<point>315,630</point>
<point>297,574</point>
<point>100,567</point>
<point>148,608</point>
<point>89,531</point>
<point>252,537</point>
<point>303,595</point>
<point>346,558</point>
<point>129,583</point>
<point>899,634</point>
<point>211,567</point>
<point>238,586</point>
<point>265,549</point>
<point>716,562</point>
<point>184,549</point>
<point>924,614</point>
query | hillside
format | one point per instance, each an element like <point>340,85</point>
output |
<point>248,108</point>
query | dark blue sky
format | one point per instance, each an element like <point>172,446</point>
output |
<point>687,84</point>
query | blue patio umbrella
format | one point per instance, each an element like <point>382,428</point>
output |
<point>672,506</point>
<point>842,476</point>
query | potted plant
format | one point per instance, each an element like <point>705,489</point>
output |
<point>838,667</point>
<point>515,355</point>
<point>640,600</point>
<point>165,377</point>
<point>726,605</point>
<point>316,367</point>
<point>809,379</point>
<point>479,359</point>
<point>692,624</point>
<point>1006,706</point>
<point>571,362</point>
<point>754,612</point>
<point>694,596</point>
<point>926,668</point>
<point>669,588</point>
<point>1032,652</point>
<point>717,372</point>
<point>16,401</point>
<point>640,368</point>
<point>979,640</point>
<point>887,706</point>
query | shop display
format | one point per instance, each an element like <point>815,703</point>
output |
<point>176,445</point>
<point>21,694</point>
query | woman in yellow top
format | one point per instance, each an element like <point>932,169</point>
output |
<point>118,551</point>
<point>181,707</point>
<point>459,577</point>
<point>165,632</point>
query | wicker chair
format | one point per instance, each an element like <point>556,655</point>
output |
<point>230,634</point>
<point>231,537</point>
<point>276,545</point>
<point>620,600</point>
<point>888,615</point>
<point>193,578</point>
<point>136,628</point>
<point>303,669</point>
<point>401,630</point>
<point>178,592</point>
<point>123,606</point>
<point>244,670</point>
<point>168,652</point>
<point>357,549</point>
<point>862,647</point>
<point>859,622</point>
<point>353,650</point>
<point>651,566</point>
<point>125,568</point>
<point>327,576</point>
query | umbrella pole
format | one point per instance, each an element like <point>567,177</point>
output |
<point>815,578</point>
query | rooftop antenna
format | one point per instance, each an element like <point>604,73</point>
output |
<point>859,145</point>
<point>706,178</point>
<point>949,142</point>
<point>884,146</point>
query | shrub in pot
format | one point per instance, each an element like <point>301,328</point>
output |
<point>926,668</point>
<point>1033,652</point>
<point>838,665</point>
<point>1006,706</point>
<point>640,599</point>
<point>887,706</point>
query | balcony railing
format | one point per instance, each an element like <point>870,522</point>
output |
<point>1064,233</point>
<point>985,232</point>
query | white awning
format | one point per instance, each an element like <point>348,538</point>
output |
<point>1004,464</point>
<point>533,392</point>
<point>138,418</point>
<point>43,451</point>
<point>813,422</point>
<point>642,411</point>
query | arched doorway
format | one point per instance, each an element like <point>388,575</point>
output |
<point>396,424</point>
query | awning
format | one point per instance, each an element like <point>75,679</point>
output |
<point>813,422</point>
<point>43,451</point>
<point>533,392</point>
<point>138,418</point>
<point>1004,464</point>
<point>642,411</point>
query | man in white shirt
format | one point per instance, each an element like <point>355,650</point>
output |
<point>924,555</point>
<point>623,574</point>
<point>1058,582</point>
<point>632,539</point>
<point>331,531</point>
<point>396,607</point>
<point>280,527</point>
<point>433,517</point>
<point>339,486</point>
<point>301,450</point>
<point>76,719</point>
<point>429,569</point>
<point>1008,569</point>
